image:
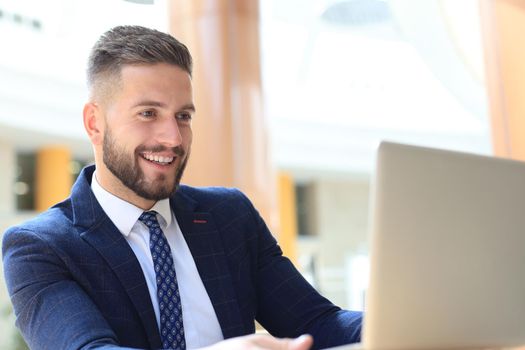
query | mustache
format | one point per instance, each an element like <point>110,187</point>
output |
<point>177,150</point>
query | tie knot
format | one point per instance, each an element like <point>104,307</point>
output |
<point>149,218</point>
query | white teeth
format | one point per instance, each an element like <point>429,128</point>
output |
<point>158,159</point>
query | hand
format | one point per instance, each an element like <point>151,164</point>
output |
<point>263,342</point>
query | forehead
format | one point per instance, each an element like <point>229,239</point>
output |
<point>160,79</point>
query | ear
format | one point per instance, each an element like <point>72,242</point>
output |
<point>94,123</point>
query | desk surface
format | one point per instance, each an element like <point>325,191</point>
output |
<point>359,346</point>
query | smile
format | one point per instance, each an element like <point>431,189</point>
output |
<point>158,159</point>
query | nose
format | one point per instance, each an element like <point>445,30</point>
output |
<point>168,133</point>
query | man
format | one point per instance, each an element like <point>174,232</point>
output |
<point>132,259</point>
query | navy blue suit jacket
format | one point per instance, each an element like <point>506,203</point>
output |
<point>75,283</point>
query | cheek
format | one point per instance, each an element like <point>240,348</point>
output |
<point>131,137</point>
<point>187,136</point>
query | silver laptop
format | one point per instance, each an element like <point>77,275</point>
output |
<point>447,251</point>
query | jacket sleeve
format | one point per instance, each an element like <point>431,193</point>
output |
<point>52,310</point>
<point>289,306</point>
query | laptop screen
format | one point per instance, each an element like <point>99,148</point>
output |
<point>447,251</point>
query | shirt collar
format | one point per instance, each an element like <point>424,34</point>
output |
<point>124,214</point>
<point>163,208</point>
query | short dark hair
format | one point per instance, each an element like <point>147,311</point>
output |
<point>128,45</point>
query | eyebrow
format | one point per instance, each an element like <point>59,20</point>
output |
<point>189,107</point>
<point>152,103</point>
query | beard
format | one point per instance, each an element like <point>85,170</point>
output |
<point>125,167</point>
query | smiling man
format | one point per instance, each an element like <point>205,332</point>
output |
<point>142,133</point>
<point>133,259</point>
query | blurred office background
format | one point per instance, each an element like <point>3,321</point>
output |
<point>293,97</point>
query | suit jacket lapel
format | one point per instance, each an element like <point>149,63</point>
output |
<point>116,251</point>
<point>201,235</point>
<point>98,230</point>
<point>207,249</point>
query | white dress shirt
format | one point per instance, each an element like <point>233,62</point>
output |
<point>201,326</point>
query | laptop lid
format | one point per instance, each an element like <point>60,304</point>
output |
<point>447,263</point>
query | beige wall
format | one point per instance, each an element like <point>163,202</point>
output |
<point>341,219</point>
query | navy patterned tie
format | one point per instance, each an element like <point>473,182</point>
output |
<point>171,327</point>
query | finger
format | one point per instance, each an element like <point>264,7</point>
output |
<point>304,342</point>
<point>267,342</point>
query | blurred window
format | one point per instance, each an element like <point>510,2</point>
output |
<point>24,185</point>
<point>305,204</point>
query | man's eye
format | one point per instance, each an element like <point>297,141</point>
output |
<point>147,114</point>
<point>184,116</point>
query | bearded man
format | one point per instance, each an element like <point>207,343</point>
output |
<point>133,259</point>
